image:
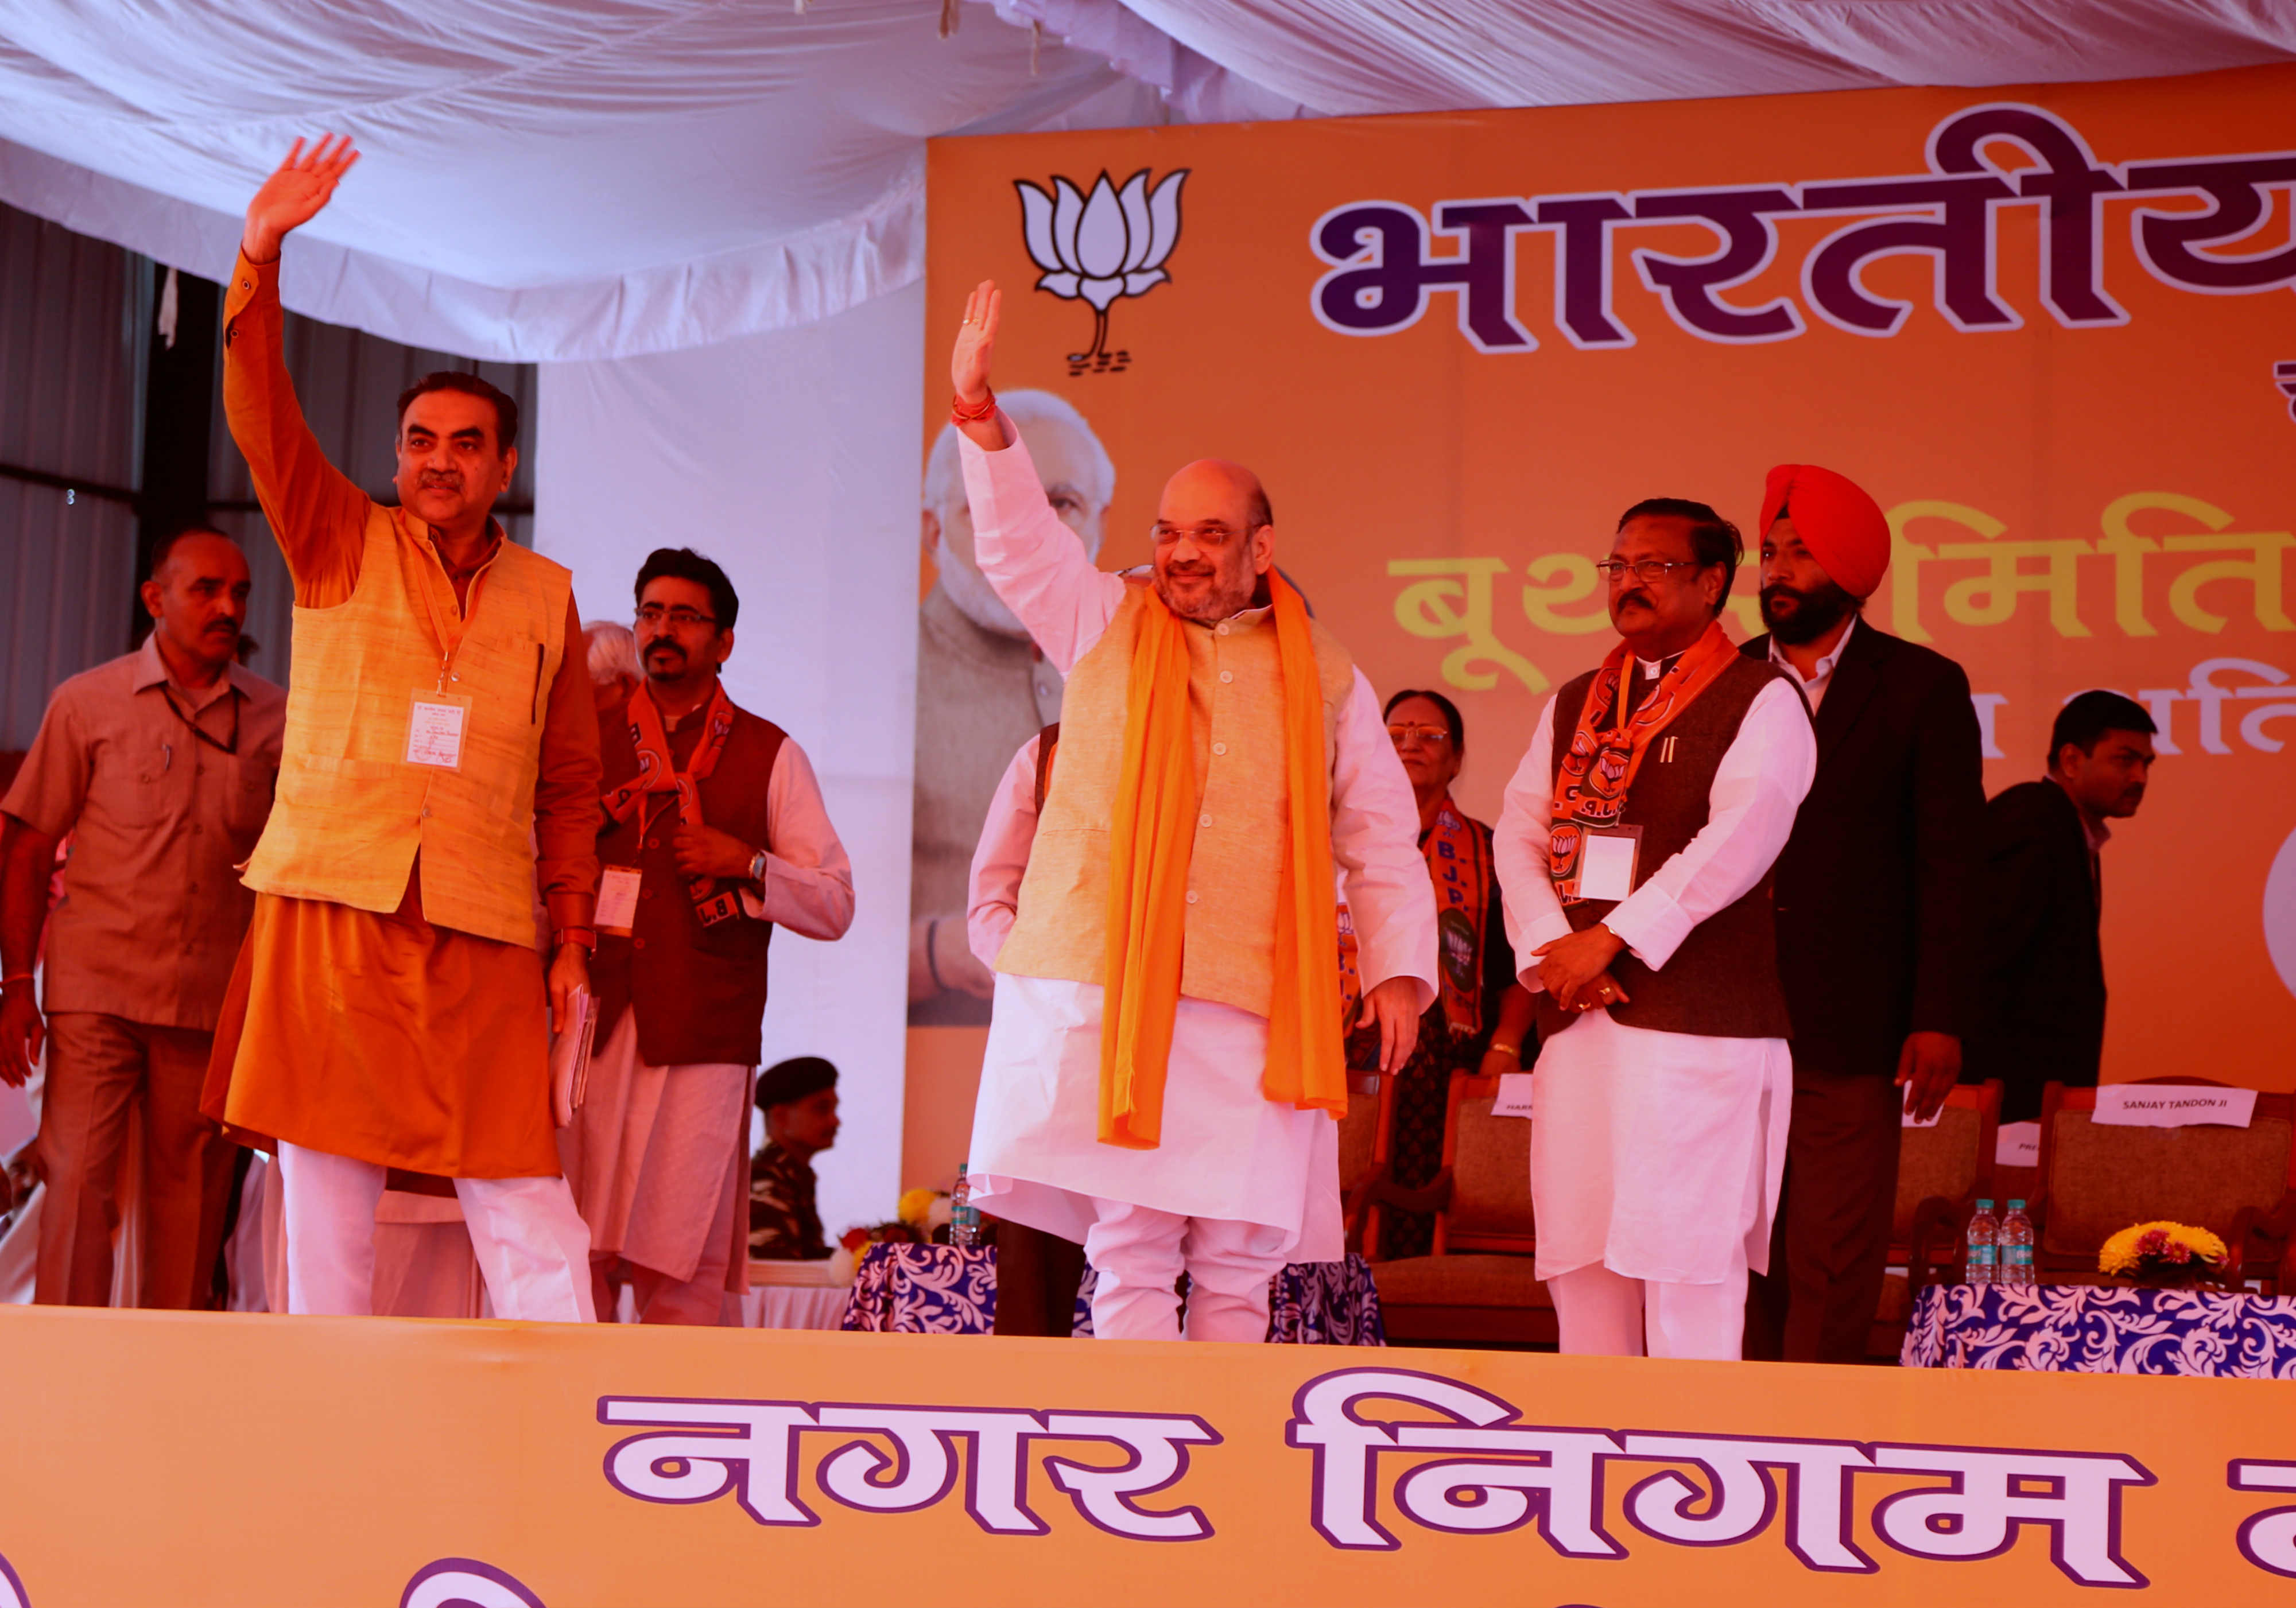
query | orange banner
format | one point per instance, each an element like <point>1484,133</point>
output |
<point>2052,330</point>
<point>252,1462</point>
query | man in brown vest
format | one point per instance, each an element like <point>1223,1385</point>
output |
<point>389,1009</point>
<point>1634,849</point>
<point>1221,761</point>
<point>715,833</point>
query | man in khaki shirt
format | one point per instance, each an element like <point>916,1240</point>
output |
<point>160,764</point>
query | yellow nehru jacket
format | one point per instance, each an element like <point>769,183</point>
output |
<point>352,812</point>
<point>1235,697</point>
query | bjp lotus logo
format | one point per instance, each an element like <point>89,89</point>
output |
<point>1099,248</point>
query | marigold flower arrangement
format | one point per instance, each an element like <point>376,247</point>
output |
<point>2163,1252</point>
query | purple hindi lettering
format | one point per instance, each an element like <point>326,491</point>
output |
<point>2068,182</point>
<point>1955,232</point>
<point>2238,187</point>
<point>1382,273</point>
<point>1742,219</point>
<point>1385,276</point>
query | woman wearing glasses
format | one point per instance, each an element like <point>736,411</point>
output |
<point>1481,1019</point>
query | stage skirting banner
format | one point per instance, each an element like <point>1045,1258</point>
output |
<point>2052,330</point>
<point>262,1463</point>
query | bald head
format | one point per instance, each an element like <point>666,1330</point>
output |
<point>1215,489</point>
<point>1214,539</point>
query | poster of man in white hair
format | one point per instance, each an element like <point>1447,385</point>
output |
<point>982,691</point>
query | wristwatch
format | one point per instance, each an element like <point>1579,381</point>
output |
<point>581,937</point>
<point>758,863</point>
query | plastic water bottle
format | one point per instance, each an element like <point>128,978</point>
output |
<point>963,1216</point>
<point>1984,1241</point>
<point>2017,1249</point>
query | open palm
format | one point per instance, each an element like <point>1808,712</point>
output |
<point>975,342</point>
<point>293,195</point>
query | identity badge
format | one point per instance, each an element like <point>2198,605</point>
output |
<point>1606,861</point>
<point>435,725</point>
<point>618,899</point>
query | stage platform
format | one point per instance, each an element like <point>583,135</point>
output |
<point>319,1463</point>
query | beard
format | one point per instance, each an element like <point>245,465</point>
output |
<point>973,596</point>
<point>1809,615</point>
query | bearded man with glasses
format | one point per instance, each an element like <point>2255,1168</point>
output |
<point>1165,1058</point>
<point>1634,849</point>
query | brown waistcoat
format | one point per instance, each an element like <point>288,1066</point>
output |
<point>700,992</point>
<point>1723,981</point>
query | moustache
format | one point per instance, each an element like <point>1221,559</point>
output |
<point>1637,596</point>
<point>1773,595</point>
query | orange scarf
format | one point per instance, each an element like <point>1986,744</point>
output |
<point>1150,842</point>
<point>1607,748</point>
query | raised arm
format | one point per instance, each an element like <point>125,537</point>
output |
<point>1036,564</point>
<point>317,514</point>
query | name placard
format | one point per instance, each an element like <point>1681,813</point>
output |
<point>2174,1105</point>
<point>1515,1095</point>
<point>2017,1144</point>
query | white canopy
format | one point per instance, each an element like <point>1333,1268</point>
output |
<point>552,180</point>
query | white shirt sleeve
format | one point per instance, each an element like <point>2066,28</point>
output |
<point>1534,915</point>
<point>1375,839</point>
<point>1037,565</point>
<point>808,886</point>
<point>1758,789</point>
<point>1002,860</point>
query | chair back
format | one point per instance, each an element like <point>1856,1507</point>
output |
<point>1358,1139</point>
<point>1952,1162</point>
<point>1488,1160</point>
<point>2097,1179</point>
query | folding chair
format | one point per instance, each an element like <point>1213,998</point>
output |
<point>1942,1171</point>
<point>1478,1285</point>
<point>2096,1179</point>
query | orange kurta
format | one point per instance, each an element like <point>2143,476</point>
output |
<point>378,1035</point>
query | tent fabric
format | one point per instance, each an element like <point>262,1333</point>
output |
<point>1354,57</point>
<point>547,180</point>
<point>540,180</point>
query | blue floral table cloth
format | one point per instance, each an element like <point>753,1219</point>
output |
<point>2103,1329</point>
<point>951,1290</point>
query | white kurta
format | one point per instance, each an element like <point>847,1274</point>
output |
<point>656,1151</point>
<point>1228,1153</point>
<point>1659,1155</point>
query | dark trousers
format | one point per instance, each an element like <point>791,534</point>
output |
<point>1831,1246</point>
<point>1036,1279</point>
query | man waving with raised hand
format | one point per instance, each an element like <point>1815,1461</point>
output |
<point>440,770</point>
<point>1165,1060</point>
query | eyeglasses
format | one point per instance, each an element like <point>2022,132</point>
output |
<point>1433,736</point>
<point>1213,535</point>
<point>1645,569</point>
<point>679,616</point>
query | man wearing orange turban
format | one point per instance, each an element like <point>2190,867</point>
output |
<point>1874,894</point>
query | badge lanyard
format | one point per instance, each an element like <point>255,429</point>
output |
<point>435,725</point>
